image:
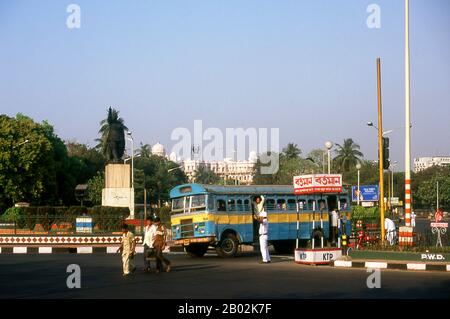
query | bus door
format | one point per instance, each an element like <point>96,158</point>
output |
<point>332,202</point>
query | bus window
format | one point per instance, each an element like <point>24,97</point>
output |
<point>291,204</point>
<point>221,205</point>
<point>270,204</point>
<point>322,204</point>
<point>247,205</point>
<point>210,202</point>
<point>198,201</point>
<point>312,204</point>
<point>239,206</point>
<point>178,204</point>
<point>231,205</point>
<point>302,204</point>
<point>281,204</point>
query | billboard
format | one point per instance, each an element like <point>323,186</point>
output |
<point>318,183</point>
<point>368,193</point>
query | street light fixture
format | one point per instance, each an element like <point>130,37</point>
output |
<point>329,146</point>
<point>172,169</point>
<point>21,143</point>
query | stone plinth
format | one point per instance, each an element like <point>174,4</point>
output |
<point>118,191</point>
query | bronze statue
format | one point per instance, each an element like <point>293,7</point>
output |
<point>113,137</point>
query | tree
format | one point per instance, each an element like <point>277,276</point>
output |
<point>25,167</point>
<point>95,187</point>
<point>112,141</point>
<point>291,151</point>
<point>316,156</point>
<point>156,178</point>
<point>348,155</point>
<point>424,187</point>
<point>146,150</point>
<point>289,166</point>
<point>205,176</point>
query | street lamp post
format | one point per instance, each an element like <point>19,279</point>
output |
<point>329,146</point>
<point>130,138</point>
<point>393,164</point>
<point>358,167</point>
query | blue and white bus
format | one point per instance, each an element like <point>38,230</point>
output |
<point>204,216</point>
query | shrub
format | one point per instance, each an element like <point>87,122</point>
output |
<point>108,218</point>
<point>14,215</point>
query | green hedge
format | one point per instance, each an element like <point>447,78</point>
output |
<point>105,218</point>
<point>366,214</point>
<point>14,215</point>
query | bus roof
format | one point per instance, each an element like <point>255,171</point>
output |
<point>195,189</point>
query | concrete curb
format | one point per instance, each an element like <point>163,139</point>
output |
<point>67,250</point>
<point>391,265</point>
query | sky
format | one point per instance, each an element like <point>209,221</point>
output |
<point>305,67</point>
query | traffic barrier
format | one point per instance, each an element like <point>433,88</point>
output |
<point>406,236</point>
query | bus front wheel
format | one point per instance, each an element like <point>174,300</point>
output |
<point>228,246</point>
<point>196,250</point>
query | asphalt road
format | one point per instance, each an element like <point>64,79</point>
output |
<point>44,276</point>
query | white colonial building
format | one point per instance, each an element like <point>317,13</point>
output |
<point>422,163</point>
<point>241,172</point>
<point>233,171</point>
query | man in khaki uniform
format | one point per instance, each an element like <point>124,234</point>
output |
<point>127,248</point>
<point>159,244</point>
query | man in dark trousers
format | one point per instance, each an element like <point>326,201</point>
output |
<point>159,244</point>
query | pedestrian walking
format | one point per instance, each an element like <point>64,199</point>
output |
<point>391,232</point>
<point>413,219</point>
<point>159,244</point>
<point>149,233</point>
<point>127,249</point>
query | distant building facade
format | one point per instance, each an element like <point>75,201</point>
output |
<point>423,163</point>
<point>233,171</point>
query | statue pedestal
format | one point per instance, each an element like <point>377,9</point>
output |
<point>118,191</point>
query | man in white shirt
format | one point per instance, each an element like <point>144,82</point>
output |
<point>334,216</point>
<point>264,236</point>
<point>149,234</point>
<point>413,219</point>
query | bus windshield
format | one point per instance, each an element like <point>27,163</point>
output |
<point>188,203</point>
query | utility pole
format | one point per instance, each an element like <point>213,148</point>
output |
<point>380,149</point>
<point>408,195</point>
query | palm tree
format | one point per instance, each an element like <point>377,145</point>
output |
<point>348,155</point>
<point>112,135</point>
<point>292,151</point>
<point>146,150</point>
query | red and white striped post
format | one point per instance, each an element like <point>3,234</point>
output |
<point>407,239</point>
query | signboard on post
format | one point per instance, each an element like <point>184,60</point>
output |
<point>317,183</point>
<point>367,193</point>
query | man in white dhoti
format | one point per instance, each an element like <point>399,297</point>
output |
<point>391,233</point>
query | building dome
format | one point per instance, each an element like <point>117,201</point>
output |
<point>158,149</point>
